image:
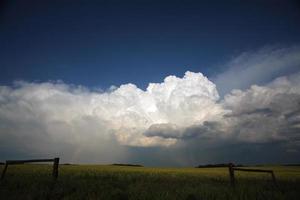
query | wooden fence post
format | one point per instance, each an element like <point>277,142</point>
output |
<point>231,174</point>
<point>4,171</point>
<point>55,168</point>
<point>274,179</point>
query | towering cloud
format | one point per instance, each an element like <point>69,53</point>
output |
<point>82,125</point>
<point>49,117</point>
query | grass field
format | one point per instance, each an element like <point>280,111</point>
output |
<point>118,182</point>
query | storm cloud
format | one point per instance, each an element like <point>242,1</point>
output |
<point>171,121</point>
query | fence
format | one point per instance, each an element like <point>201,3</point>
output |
<point>15,162</point>
<point>232,169</point>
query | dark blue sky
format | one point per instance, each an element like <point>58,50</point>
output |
<point>103,43</point>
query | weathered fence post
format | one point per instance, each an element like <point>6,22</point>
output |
<point>55,168</point>
<point>4,171</point>
<point>274,179</point>
<point>231,174</point>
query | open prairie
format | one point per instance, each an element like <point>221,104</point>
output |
<point>122,182</point>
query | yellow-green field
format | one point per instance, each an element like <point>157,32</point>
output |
<point>116,182</point>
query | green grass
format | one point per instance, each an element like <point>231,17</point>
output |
<point>115,182</point>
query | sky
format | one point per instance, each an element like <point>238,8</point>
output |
<point>158,83</point>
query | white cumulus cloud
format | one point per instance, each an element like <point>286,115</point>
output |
<point>47,117</point>
<point>80,125</point>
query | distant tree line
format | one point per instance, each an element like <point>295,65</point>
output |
<point>131,165</point>
<point>219,165</point>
